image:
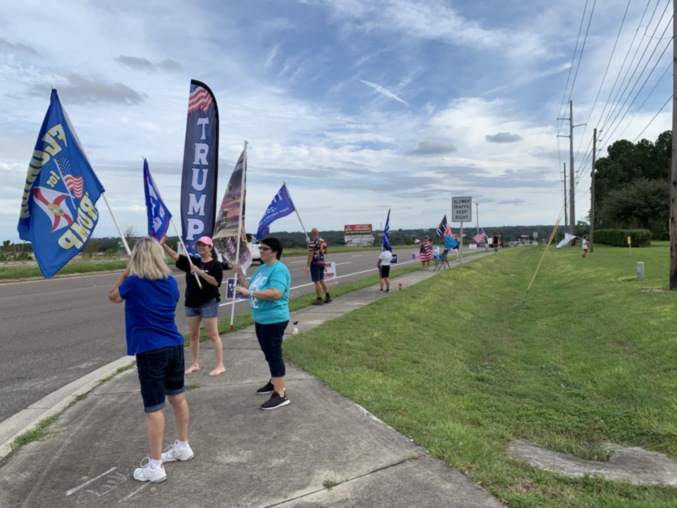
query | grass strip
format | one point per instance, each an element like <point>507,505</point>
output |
<point>460,366</point>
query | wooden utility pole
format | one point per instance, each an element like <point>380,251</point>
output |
<point>592,191</point>
<point>673,162</point>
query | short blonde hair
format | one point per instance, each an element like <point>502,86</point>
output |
<point>148,260</point>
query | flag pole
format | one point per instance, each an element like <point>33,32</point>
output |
<point>243,192</point>
<point>296,210</point>
<point>124,240</point>
<point>190,262</point>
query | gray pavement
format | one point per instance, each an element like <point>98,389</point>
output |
<point>244,456</point>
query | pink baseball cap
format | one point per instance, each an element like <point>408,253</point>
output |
<point>206,240</point>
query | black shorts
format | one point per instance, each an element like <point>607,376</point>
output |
<point>161,373</point>
<point>385,271</point>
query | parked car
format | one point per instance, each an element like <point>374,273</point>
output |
<point>253,245</point>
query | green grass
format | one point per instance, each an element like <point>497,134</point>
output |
<point>458,364</point>
<point>40,432</point>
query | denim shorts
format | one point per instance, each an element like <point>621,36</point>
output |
<point>316,272</point>
<point>161,373</point>
<point>209,309</point>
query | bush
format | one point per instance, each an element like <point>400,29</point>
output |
<point>619,237</point>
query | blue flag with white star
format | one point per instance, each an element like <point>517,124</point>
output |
<point>58,207</point>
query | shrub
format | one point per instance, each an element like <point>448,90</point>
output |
<point>619,237</point>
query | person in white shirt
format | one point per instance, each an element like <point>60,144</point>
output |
<point>383,266</point>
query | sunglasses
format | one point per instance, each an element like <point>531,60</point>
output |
<point>265,248</point>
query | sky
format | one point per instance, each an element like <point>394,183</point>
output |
<point>360,106</point>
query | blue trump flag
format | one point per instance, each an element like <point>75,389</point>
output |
<point>157,211</point>
<point>281,206</point>
<point>58,208</point>
<point>386,234</point>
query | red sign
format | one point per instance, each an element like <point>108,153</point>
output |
<point>351,229</point>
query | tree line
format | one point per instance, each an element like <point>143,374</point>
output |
<point>632,186</point>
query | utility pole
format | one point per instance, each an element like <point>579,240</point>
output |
<point>477,208</point>
<point>564,180</point>
<point>572,202</point>
<point>592,190</point>
<point>673,163</point>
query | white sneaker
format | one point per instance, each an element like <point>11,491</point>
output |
<point>146,474</point>
<point>174,453</point>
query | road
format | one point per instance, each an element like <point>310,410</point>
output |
<point>54,331</point>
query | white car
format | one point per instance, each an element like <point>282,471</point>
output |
<point>253,246</point>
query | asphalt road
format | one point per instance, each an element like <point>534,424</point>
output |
<point>54,331</point>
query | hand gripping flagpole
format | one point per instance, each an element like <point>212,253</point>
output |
<point>190,262</point>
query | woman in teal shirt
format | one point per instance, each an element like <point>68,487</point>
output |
<point>268,292</point>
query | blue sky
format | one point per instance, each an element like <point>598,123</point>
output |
<point>359,105</point>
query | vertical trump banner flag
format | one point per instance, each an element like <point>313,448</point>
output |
<point>58,207</point>
<point>200,166</point>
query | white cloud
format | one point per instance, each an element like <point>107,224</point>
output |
<point>439,86</point>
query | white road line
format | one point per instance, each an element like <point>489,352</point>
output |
<point>75,489</point>
<point>310,284</point>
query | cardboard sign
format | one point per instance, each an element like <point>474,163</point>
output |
<point>230,288</point>
<point>329,270</point>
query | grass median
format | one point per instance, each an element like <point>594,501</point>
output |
<point>458,364</point>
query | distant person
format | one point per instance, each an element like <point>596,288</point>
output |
<point>494,241</point>
<point>426,253</point>
<point>317,249</point>
<point>383,265</point>
<point>202,303</point>
<point>457,250</point>
<point>268,292</point>
<point>585,246</point>
<point>150,294</point>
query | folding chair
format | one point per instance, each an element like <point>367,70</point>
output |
<point>441,261</point>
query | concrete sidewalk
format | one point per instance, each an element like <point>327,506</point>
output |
<point>244,456</point>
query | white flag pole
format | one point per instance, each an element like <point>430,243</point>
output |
<point>297,212</point>
<point>243,191</point>
<point>190,262</point>
<point>124,240</point>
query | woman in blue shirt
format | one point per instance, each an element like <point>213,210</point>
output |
<point>268,292</point>
<point>150,295</point>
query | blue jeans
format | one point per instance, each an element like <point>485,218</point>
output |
<point>209,309</point>
<point>270,340</point>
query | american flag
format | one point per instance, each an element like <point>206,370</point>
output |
<point>74,183</point>
<point>443,225</point>
<point>480,236</point>
<point>199,99</point>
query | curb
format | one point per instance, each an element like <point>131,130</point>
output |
<point>54,403</point>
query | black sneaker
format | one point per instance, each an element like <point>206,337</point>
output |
<point>269,388</point>
<point>327,299</point>
<point>388,290</point>
<point>318,301</point>
<point>275,401</point>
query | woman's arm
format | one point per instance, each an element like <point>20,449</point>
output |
<point>171,252</point>
<point>261,294</point>
<point>114,292</point>
<point>210,279</point>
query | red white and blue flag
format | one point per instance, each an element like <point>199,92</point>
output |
<point>442,227</point>
<point>58,208</point>
<point>480,237</point>
<point>156,210</point>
